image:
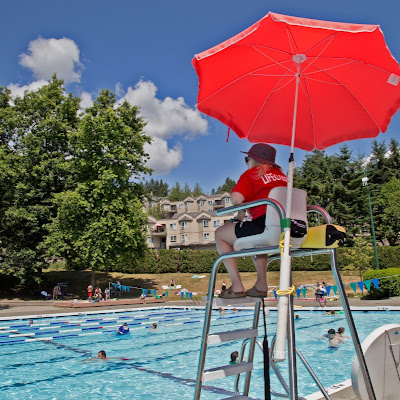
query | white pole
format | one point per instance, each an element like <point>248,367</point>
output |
<point>285,272</point>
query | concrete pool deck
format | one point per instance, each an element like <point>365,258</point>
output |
<point>18,308</point>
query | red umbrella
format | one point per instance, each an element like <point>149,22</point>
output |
<point>348,81</point>
<point>304,83</point>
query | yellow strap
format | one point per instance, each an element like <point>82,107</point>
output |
<point>291,290</point>
<point>282,242</point>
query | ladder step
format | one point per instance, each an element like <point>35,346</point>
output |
<point>221,337</point>
<point>238,397</point>
<point>226,370</point>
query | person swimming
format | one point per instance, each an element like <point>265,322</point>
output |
<point>334,339</point>
<point>234,357</point>
<point>101,356</point>
<point>123,329</point>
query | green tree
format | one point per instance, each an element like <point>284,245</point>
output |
<point>393,161</point>
<point>197,190</point>
<point>390,194</point>
<point>100,222</point>
<point>186,191</point>
<point>156,187</point>
<point>226,187</point>
<point>361,256</point>
<point>33,153</point>
<point>176,193</point>
<point>157,211</point>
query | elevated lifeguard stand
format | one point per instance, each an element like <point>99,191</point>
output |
<point>261,244</point>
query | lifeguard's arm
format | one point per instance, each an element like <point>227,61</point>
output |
<point>238,198</point>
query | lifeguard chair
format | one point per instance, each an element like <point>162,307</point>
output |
<point>311,241</point>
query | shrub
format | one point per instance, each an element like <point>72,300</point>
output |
<point>201,261</point>
<point>387,287</point>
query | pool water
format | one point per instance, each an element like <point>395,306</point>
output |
<point>46,359</point>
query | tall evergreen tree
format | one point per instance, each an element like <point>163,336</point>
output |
<point>228,185</point>
<point>186,191</point>
<point>390,193</point>
<point>176,193</point>
<point>197,190</point>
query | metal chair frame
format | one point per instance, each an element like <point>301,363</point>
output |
<point>274,253</point>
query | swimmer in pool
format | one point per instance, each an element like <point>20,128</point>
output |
<point>334,339</point>
<point>123,329</point>
<point>340,332</point>
<point>153,326</point>
<point>234,357</point>
<point>101,356</point>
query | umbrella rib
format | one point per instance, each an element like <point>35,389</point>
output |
<point>291,40</point>
<point>327,69</point>
<point>238,78</point>
<point>271,59</point>
<point>311,108</point>
<point>357,61</point>
<point>354,96</point>
<point>319,55</point>
<point>321,81</point>
<point>330,38</point>
<point>265,101</point>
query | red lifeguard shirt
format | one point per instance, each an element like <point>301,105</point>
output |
<point>253,187</point>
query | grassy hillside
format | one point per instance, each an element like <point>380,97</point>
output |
<point>79,280</point>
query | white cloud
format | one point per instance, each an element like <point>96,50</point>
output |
<point>86,100</point>
<point>165,119</point>
<point>17,90</point>
<point>163,159</point>
<point>119,90</point>
<point>168,117</point>
<point>48,56</point>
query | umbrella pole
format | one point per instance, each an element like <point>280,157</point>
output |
<point>285,271</point>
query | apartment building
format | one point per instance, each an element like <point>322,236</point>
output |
<point>190,223</point>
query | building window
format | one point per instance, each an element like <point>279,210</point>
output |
<point>173,238</point>
<point>210,202</point>
<point>180,205</point>
<point>202,202</point>
<point>187,203</point>
<point>150,240</point>
<point>183,224</point>
<point>172,226</point>
<point>205,224</point>
<point>227,200</point>
<point>166,206</point>
<point>184,237</point>
<point>217,223</point>
<point>206,236</point>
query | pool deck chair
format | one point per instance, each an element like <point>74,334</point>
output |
<point>316,240</point>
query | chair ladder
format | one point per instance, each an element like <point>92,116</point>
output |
<point>249,334</point>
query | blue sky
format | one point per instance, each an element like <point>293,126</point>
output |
<point>142,50</point>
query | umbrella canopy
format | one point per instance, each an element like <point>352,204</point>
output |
<point>348,82</point>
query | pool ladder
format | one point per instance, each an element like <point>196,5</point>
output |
<point>248,335</point>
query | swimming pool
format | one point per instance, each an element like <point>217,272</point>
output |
<point>46,359</point>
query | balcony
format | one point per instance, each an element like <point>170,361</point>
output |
<point>159,231</point>
<point>219,204</point>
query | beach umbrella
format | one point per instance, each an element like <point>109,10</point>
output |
<point>304,83</point>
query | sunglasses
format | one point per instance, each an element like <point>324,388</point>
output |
<point>247,159</point>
